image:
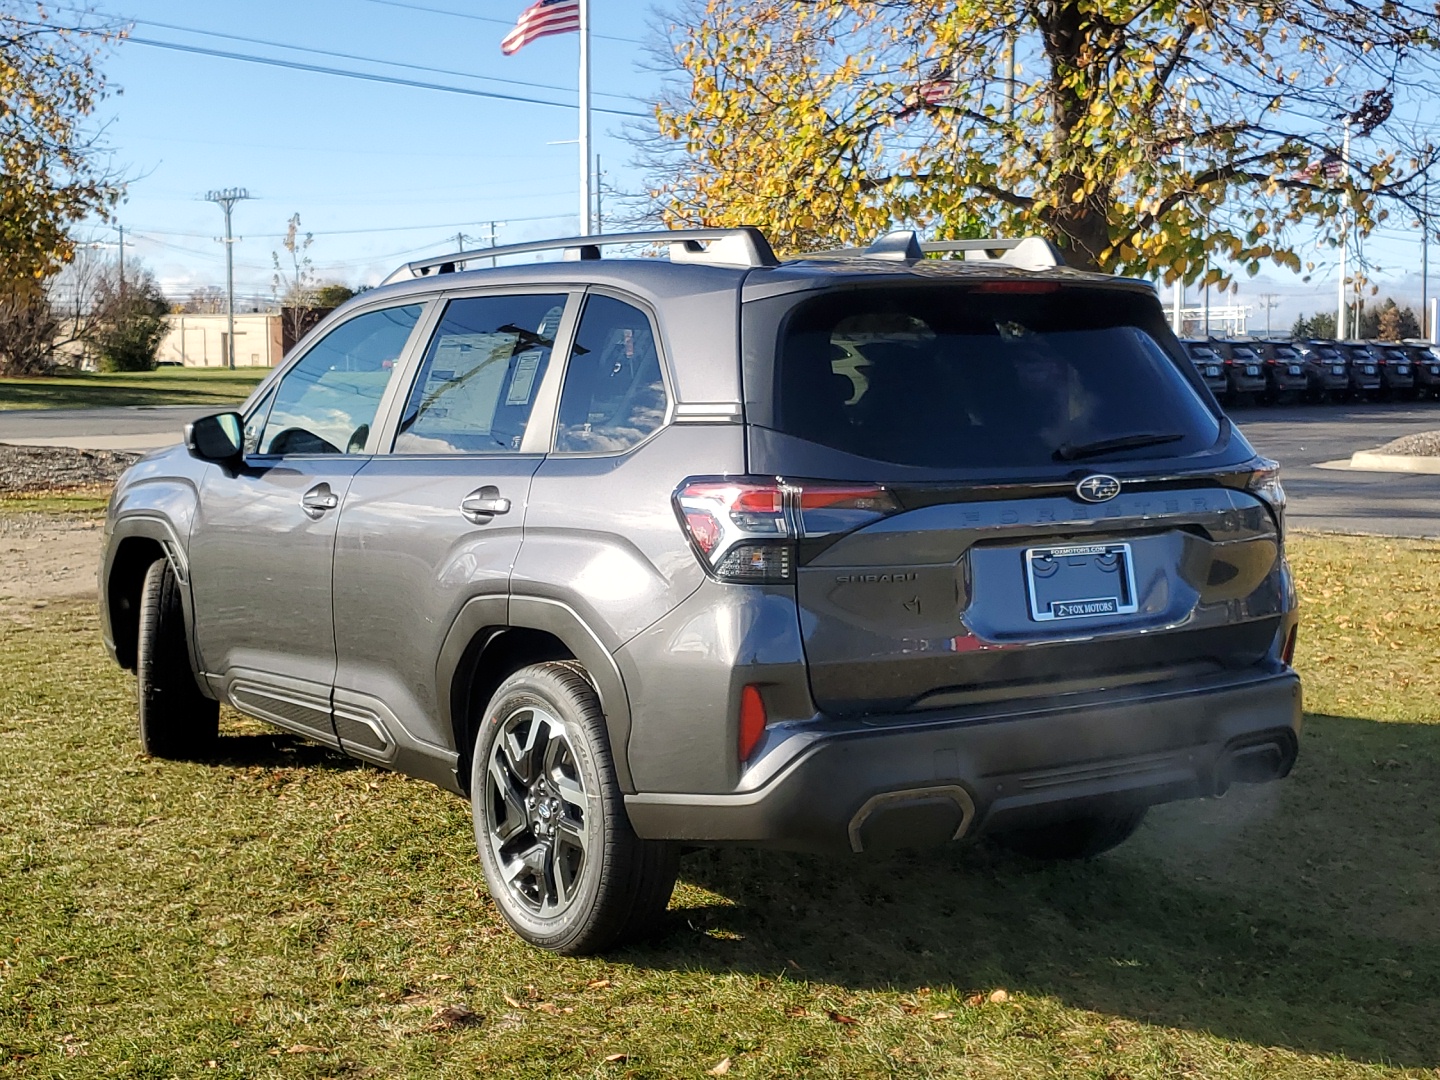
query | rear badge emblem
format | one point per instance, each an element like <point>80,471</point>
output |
<point>1098,488</point>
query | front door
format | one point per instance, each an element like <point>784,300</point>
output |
<point>263,542</point>
<point>437,522</point>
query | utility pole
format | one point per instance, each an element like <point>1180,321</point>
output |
<point>1344,238</point>
<point>121,228</point>
<point>599,191</point>
<point>226,199</point>
<point>1426,331</point>
<point>492,226</point>
<point>1269,301</point>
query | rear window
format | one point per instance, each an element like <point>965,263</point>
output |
<point>950,377</point>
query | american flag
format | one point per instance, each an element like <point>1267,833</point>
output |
<point>541,19</point>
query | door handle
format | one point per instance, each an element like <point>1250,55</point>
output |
<point>319,499</point>
<point>484,503</point>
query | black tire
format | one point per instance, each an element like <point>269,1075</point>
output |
<point>176,719</point>
<point>1076,838</point>
<point>561,816</point>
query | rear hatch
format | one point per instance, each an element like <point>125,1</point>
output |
<point>1038,496</point>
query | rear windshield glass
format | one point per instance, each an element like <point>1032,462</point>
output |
<point>948,377</point>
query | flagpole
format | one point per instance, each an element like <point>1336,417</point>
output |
<point>585,199</point>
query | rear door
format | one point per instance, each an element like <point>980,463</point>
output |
<point>1062,510</point>
<point>436,521</point>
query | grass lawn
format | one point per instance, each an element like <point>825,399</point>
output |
<point>165,386</point>
<point>288,913</point>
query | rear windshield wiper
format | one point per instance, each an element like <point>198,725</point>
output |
<point>1076,451</point>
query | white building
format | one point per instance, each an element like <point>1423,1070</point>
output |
<point>202,340</point>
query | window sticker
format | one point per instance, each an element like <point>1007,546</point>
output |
<point>523,381</point>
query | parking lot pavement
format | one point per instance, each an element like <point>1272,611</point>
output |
<point>1337,500</point>
<point>134,427</point>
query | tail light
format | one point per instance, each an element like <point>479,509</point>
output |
<point>1287,653</point>
<point>745,529</point>
<point>1264,484</point>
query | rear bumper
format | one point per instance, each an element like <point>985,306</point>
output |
<point>877,785</point>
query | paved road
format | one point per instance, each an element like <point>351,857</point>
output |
<point>1299,438</point>
<point>1389,504</point>
<point>134,427</point>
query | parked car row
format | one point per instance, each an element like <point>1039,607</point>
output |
<point>1276,372</point>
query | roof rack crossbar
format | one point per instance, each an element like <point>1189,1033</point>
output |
<point>741,246</point>
<point>1025,252</point>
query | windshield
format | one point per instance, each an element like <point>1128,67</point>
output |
<point>954,376</point>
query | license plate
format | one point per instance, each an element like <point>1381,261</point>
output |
<point>1338,369</point>
<point>1080,581</point>
<point>1403,369</point>
<point>1294,369</point>
<point>1213,372</point>
<point>1369,369</point>
<point>1251,369</point>
<point>1435,371</point>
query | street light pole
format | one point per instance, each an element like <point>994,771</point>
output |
<point>227,199</point>
<point>1344,238</point>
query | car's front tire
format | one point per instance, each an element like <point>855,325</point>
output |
<point>562,862</point>
<point>1074,838</point>
<point>176,719</point>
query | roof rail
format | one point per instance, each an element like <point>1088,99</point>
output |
<point>744,245</point>
<point>905,245</point>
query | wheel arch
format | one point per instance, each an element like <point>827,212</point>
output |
<point>135,544</point>
<point>493,637</point>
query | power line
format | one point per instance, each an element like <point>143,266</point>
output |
<point>152,233</point>
<point>485,18</point>
<point>391,80</point>
<point>368,59</point>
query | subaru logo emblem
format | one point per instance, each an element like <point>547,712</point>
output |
<point>1098,488</point>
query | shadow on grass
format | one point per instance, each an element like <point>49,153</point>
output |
<point>1296,915</point>
<point>276,750</point>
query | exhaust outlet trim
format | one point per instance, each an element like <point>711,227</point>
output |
<point>890,800</point>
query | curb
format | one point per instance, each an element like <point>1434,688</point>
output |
<point>1371,461</point>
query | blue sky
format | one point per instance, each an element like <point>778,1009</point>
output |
<point>383,173</point>
<point>363,163</point>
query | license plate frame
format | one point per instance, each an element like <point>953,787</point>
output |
<point>1048,608</point>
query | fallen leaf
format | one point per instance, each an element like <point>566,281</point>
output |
<point>840,1018</point>
<point>795,1012</point>
<point>301,1048</point>
<point>597,984</point>
<point>612,1058</point>
<point>451,1016</point>
<point>721,1068</point>
<point>909,1007</point>
<point>546,1007</point>
<point>942,1016</point>
<point>975,999</point>
<point>998,996</point>
<point>512,1002</point>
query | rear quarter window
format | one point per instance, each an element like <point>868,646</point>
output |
<point>949,377</point>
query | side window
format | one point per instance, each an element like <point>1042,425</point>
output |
<point>326,403</point>
<point>477,385</point>
<point>255,423</point>
<point>613,395</point>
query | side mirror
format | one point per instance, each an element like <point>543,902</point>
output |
<point>216,438</point>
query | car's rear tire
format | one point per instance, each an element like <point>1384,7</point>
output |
<point>562,862</point>
<point>1074,838</point>
<point>176,719</point>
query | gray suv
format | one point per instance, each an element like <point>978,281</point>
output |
<point>881,547</point>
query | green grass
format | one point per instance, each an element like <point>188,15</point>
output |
<point>166,386</point>
<point>88,501</point>
<point>161,919</point>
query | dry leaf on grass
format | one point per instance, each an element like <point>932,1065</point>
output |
<point>615,1058</point>
<point>720,1069</point>
<point>302,1048</point>
<point>840,1018</point>
<point>452,1016</point>
<point>597,984</point>
<point>998,997</point>
<point>942,1016</point>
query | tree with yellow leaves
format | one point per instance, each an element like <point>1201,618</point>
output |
<point>1150,137</point>
<point>50,177</point>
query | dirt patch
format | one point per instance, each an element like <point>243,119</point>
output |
<point>45,468</point>
<point>47,557</point>
<point>1420,444</point>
